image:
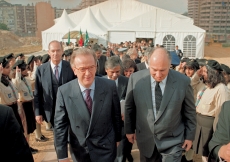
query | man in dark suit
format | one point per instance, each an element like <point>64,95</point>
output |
<point>101,59</point>
<point>178,52</point>
<point>219,146</point>
<point>113,70</point>
<point>160,109</point>
<point>13,143</point>
<point>144,65</point>
<point>88,111</point>
<point>49,76</point>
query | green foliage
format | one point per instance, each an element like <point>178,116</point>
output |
<point>3,26</point>
<point>226,45</point>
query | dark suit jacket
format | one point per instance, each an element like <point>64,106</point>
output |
<point>43,95</point>
<point>14,146</point>
<point>101,69</point>
<point>137,61</point>
<point>122,86</point>
<point>179,53</point>
<point>175,120</point>
<point>222,134</point>
<point>96,135</point>
<point>141,66</point>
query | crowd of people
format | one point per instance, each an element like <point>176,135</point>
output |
<point>172,113</point>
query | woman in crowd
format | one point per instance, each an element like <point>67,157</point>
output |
<point>8,91</point>
<point>25,99</point>
<point>129,67</point>
<point>226,73</point>
<point>208,106</point>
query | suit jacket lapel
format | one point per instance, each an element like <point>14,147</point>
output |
<point>120,87</point>
<point>148,91</point>
<point>78,102</point>
<point>98,100</point>
<point>47,75</point>
<point>168,93</point>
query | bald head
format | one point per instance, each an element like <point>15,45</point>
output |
<point>159,64</point>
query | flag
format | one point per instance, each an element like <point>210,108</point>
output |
<point>86,39</point>
<point>69,38</point>
<point>81,40</point>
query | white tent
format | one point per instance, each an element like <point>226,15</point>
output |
<point>102,19</point>
<point>92,25</point>
<point>56,32</point>
<point>165,28</point>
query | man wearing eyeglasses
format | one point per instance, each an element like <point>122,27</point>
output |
<point>88,111</point>
<point>49,77</point>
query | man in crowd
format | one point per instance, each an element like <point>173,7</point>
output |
<point>101,59</point>
<point>49,76</point>
<point>88,111</point>
<point>219,146</point>
<point>164,116</point>
<point>178,51</point>
<point>144,65</point>
<point>133,55</point>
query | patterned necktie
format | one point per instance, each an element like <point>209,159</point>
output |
<point>158,96</point>
<point>56,72</point>
<point>88,100</point>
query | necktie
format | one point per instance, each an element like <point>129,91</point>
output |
<point>56,72</point>
<point>158,96</point>
<point>88,100</point>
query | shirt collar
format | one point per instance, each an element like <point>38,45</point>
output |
<point>53,66</point>
<point>92,87</point>
<point>163,81</point>
<point>147,66</point>
<point>116,81</point>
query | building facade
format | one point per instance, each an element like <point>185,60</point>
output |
<point>212,16</point>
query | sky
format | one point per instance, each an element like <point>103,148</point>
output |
<point>178,6</point>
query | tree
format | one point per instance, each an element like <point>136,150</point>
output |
<point>3,26</point>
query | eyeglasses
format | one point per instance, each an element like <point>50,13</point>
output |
<point>83,69</point>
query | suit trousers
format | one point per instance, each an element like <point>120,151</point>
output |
<point>160,157</point>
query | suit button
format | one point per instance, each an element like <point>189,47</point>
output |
<point>103,145</point>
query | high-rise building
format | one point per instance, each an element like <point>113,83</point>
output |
<point>58,12</point>
<point>211,15</point>
<point>86,3</point>
<point>45,16</point>
<point>7,15</point>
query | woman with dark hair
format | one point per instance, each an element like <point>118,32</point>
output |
<point>226,73</point>
<point>208,106</point>
<point>8,91</point>
<point>129,67</point>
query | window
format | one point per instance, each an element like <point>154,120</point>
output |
<point>189,44</point>
<point>169,42</point>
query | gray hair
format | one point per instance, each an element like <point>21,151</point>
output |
<point>131,51</point>
<point>148,51</point>
<point>55,41</point>
<point>82,52</point>
<point>112,62</point>
<point>96,48</point>
<point>164,49</point>
<point>214,77</point>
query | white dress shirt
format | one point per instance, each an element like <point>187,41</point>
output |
<point>92,87</point>
<point>147,66</point>
<point>162,85</point>
<point>59,68</point>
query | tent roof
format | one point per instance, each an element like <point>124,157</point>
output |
<point>91,24</point>
<point>118,11</point>
<point>159,21</point>
<point>102,19</point>
<point>64,24</point>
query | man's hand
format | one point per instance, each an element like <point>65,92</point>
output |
<point>131,137</point>
<point>199,72</point>
<point>224,152</point>
<point>122,117</point>
<point>39,119</point>
<point>118,143</point>
<point>65,160</point>
<point>187,145</point>
<point>1,68</point>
